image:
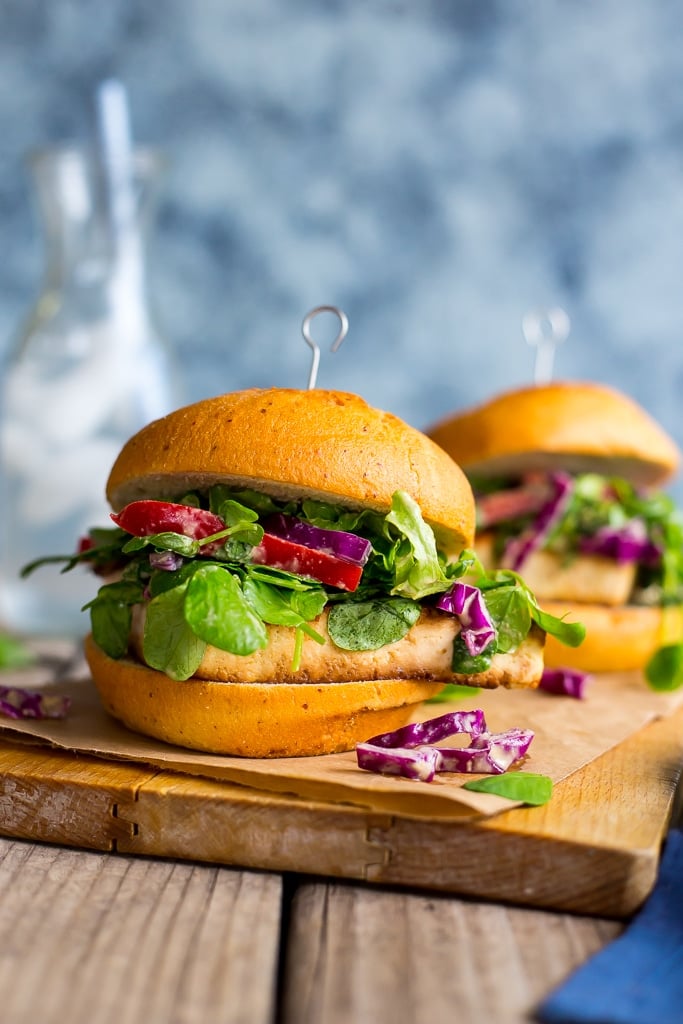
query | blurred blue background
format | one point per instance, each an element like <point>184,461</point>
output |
<point>434,168</point>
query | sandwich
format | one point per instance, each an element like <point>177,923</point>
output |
<point>284,576</point>
<point>567,478</point>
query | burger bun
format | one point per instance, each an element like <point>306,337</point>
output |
<point>580,427</point>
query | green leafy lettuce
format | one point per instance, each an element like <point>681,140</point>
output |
<point>225,600</point>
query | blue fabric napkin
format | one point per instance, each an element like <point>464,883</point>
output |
<point>638,978</point>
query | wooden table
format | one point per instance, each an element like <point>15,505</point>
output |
<point>89,937</point>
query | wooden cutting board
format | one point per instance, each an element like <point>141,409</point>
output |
<point>594,849</point>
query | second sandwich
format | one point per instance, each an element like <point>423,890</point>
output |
<point>567,479</point>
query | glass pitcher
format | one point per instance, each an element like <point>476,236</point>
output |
<point>89,368</point>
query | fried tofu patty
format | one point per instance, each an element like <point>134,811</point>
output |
<point>424,653</point>
<point>585,579</point>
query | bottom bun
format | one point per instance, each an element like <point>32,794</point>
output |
<point>252,719</point>
<point>617,639</point>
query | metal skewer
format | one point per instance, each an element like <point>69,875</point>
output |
<point>306,331</point>
<point>544,330</point>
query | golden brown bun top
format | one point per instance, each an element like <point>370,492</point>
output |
<point>328,445</point>
<point>576,426</point>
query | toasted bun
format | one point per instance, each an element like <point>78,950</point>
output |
<point>252,719</point>
<point>319,444</point>
<point>577,426</point>
<point>617,639</point>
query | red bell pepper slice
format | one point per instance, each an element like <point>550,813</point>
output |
<point>317,565</point>
<point>144,518</point>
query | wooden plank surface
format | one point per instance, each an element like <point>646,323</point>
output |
<point>88,938</point>
<point>94,939</point>
<point>594,849</point>
<point>359,954</point>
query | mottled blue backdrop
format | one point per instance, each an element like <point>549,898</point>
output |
<point>436,168</point>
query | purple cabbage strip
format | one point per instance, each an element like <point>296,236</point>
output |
<point>518,549</point>
<point>502,749</point>
<point>630,543</point>
<point>18,703</point>
<point>468,604</point>
<point>169,561</point>
<point>420,765</point>
<point>566,682</point>
<point>391,753</point>
<point>432,731</point>
<point>348,546</point>
<point>488,753</point>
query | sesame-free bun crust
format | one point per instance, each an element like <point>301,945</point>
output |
<point>252,719</point>
<point>617,639</point>
<point>288,443</point>
<point>576,426</point>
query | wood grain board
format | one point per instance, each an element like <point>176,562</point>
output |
<point>594,849</point>
<point>93,939</point>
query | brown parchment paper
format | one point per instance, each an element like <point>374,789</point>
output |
<point>569,733</point>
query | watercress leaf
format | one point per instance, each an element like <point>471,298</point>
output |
<point>176,542</point>
<point>135,544</point>
<point>167,541</point>
<point>509,609</point>
<point>664,670</point>
<point>218,494</point>
<point>234,550</point>
<point>110,627</point>
<point>163,580</point>
<point>453,692</point>
<point>283,608</point>
<point>122,592</point>
<point>111,614</point>
<point>309,603</point>
<point>69,562</point>
<point>233,513</point>
<point>218,612</point>
<point>368,625</point>
<point>260,503</point>
<point>468,562</point>
<point>572,634</point>
<point>278,577</point>
<point>239,520</point>
<point>106,551</point>
<point>169,644</point>
<point>524,786</point>
<point>271,604</point>
<point>248,533</point>
<point>465,664</point>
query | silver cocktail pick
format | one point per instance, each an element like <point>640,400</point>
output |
<point>544,330</point>
<point>306,331</point>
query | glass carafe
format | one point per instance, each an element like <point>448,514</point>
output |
<point>88,369</point>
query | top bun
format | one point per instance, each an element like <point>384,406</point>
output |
<point>577,426</point>
<point>327,445</point>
